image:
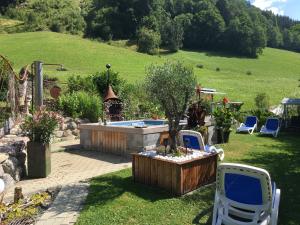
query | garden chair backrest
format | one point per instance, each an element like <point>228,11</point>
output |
<point>244,186</point>
<point>272,123</point>
<point>250,121</point>
<point>191,139</point>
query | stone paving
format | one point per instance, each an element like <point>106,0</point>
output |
<point>67,205</point>
<point>69,167</point>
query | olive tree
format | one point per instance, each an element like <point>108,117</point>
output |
<point>172,86</point>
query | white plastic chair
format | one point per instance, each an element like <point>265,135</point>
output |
<point>249,126</point>
<point>194,140</point>
<point>245,196</point>
<point>271,127</point>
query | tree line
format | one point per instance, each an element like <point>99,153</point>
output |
<point>229,25</point>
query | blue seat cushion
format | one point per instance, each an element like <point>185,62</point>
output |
<point>250,121</point>
<point>272,124</point>
<point>190,141</point>
<point>243,189</point>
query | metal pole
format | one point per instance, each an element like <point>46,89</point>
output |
<point>38,83</point>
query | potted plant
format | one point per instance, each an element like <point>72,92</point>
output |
<point>223,117</point>
<point>172,86</point>
<point>40,128</point>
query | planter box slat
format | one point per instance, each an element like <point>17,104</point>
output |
<point>178,178</point>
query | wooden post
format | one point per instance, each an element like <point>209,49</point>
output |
<point>18,194</point>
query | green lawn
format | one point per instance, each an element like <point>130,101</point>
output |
<point>275,72</point>
<point>115,199</point>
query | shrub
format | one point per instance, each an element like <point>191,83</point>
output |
<point>262,101</point>
<point>69,104</point>
<point>40,127</point>
<point>89,106</point>
<point>218,69</point>
<point>148,41</point>
<point>100,82</point>
<point>249,72</point>
<point>81,104</point>
<point>78,83</point>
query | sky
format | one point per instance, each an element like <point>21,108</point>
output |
<point>289,8</point>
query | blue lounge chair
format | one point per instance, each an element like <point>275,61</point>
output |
<point>271,127</point>
<point>249,126</point>
<point>245,196</point>
<point>194,140</point>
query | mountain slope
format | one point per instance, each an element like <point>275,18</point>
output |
<point>276,72</point>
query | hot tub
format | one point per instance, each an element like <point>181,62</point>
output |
<point>122,138</point>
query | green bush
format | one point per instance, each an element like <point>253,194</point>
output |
<point>100,82</point>
<point>69,103</point>
<point>148,41</point>
<point>78,83</point>
<point>82,105</point>
<point>262,101</point>
<point>89,106</point>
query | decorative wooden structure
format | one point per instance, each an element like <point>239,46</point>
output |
<point>113,106</point>
<point>178,178</point>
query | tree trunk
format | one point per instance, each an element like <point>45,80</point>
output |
<point>173,143</point>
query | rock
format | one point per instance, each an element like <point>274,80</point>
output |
<point>3,157</point>
<point>68,119</point>
<point>1,171</point>
<point>13,168</point>
<point>63,126</point>
<point>82,121</point>
<point>8,180</point>
<point>59,133</point>
<point>72,125</point>
<point>76,132</point>
<point>67,133</point>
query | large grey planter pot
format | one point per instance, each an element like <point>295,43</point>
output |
<point>38,160</point>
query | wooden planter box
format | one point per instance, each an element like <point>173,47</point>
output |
<point>177,177</point>
<point>38,160</point>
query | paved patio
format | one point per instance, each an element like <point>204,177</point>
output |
<point>71,168</point>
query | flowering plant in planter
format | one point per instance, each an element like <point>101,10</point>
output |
<point>40,127</point>
<point>224,117</point>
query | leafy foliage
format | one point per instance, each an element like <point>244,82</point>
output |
<point>172,86</point>
<point>148,41</point>
<point>55,15</point>
<point>223,116</point>
<point>81,104</point>
<point>40,127</point>
<point>100,80</point>
<point>262,101</point>
<point>79,83</point>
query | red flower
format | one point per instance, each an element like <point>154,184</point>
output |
<point>225,100</point>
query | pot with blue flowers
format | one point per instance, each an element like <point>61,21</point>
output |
<point>40,128</point>
<point>223,116</point>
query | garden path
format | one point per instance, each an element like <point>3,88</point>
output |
<point>71,169</point>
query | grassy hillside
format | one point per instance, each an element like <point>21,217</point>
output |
<point>275,72</point>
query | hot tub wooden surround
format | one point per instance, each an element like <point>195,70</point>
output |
<point>119,140</point>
